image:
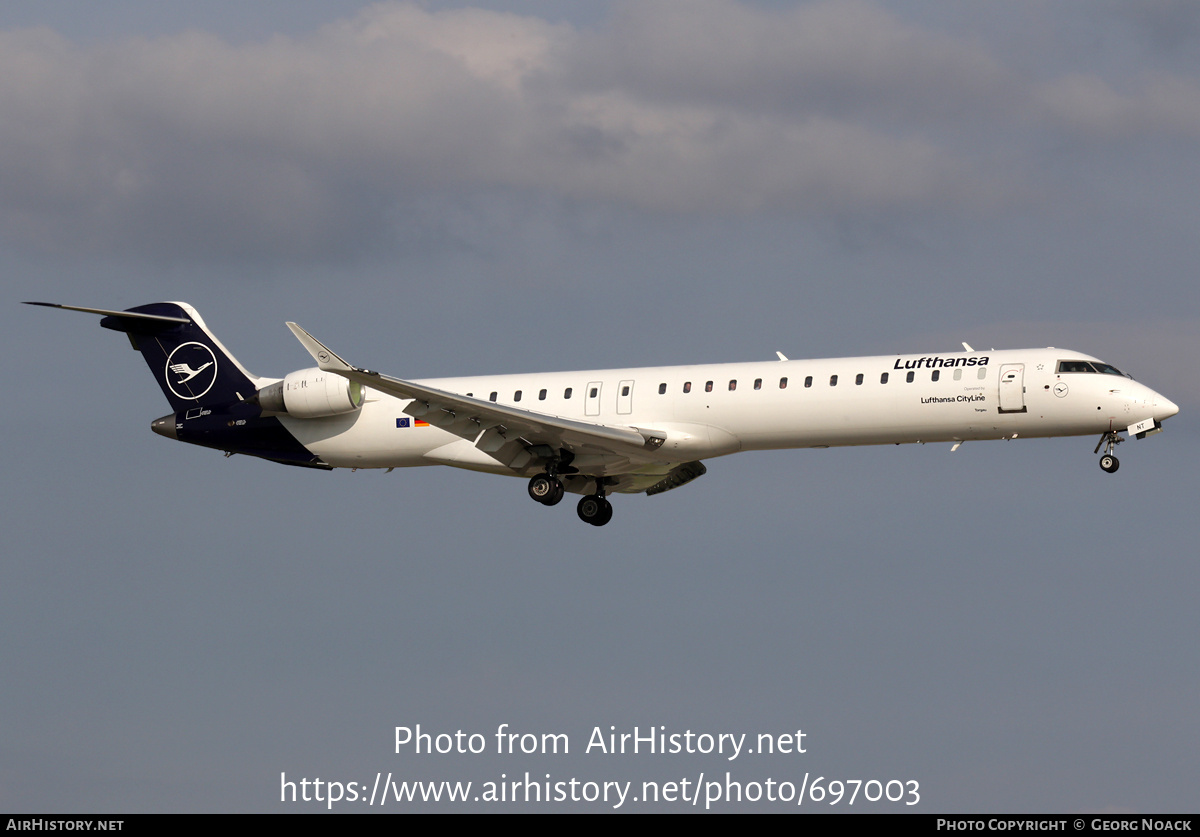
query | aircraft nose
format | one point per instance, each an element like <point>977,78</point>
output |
<point>1163,407</point>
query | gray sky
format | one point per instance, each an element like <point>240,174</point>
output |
<point>452,188</point>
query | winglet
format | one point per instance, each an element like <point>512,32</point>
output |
<point>967,347</point>
<point>780,355</point>
<point>325,357</point>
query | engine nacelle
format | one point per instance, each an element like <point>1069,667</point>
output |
<point>311,393</point>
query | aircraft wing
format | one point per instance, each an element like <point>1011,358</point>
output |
<point>502,431</point>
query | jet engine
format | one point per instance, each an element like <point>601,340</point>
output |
<point>311,393</point>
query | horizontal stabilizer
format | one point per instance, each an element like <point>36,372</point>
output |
<point>105,312</point>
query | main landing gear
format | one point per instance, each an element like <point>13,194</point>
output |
<point>1109,441</point>
<point>548,490</point>
<point>595,509</point>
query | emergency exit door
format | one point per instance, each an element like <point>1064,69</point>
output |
<point>591,403</point>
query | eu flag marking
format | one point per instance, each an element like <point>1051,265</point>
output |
<point>402,422</point>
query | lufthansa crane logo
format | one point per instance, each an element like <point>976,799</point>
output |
<point>191,370</point>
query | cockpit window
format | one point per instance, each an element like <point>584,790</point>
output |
<point>1089,366</point>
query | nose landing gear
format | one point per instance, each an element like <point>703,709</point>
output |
<point>1109,441</point>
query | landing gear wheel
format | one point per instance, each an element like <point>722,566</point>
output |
<point>595,510</point>
<point>546,489</point>
<point>1110,463</point>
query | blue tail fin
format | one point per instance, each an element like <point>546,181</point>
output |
<point>212,395</point>
<point>190,364</point>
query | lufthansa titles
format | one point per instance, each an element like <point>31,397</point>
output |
<point>939,362</point>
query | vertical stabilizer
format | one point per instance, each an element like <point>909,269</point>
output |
<point>189,363</point>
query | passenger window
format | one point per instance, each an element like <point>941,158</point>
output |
<point>542,395</point>
<point>758,383</point>
<point>833,380</point>
<point>858,379</point>
<point>732,386</point>
<point>982,372</point>
<point>937,373</point>
<point>517,395</point>
<point>662,389</point>
<point>492,397</point>
<point>567,393</point>
<point>808,381</point>
<point>708,387</point>
<point>687,386</point>
<point>883,378</point>
<point>909,377</point>
<point>958,374</point>
<point>783,383</point>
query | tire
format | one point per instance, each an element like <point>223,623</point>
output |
<point>595,510</point>
<point>1110,463</point>
<point>545,489</point>
<point>606,514</point>
<point>590,508</point>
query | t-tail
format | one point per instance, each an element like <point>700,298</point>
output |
<point>214,397</point>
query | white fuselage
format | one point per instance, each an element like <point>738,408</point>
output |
<point>712,410</point>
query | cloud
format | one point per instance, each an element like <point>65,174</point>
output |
<point>1168,24</point>
<point>1162,105</point>
<point>835,58</point>
<point>313,147</point>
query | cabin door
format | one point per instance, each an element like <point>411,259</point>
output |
<point>1012,388</point>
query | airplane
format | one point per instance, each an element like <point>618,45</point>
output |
<point>625,431</point>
